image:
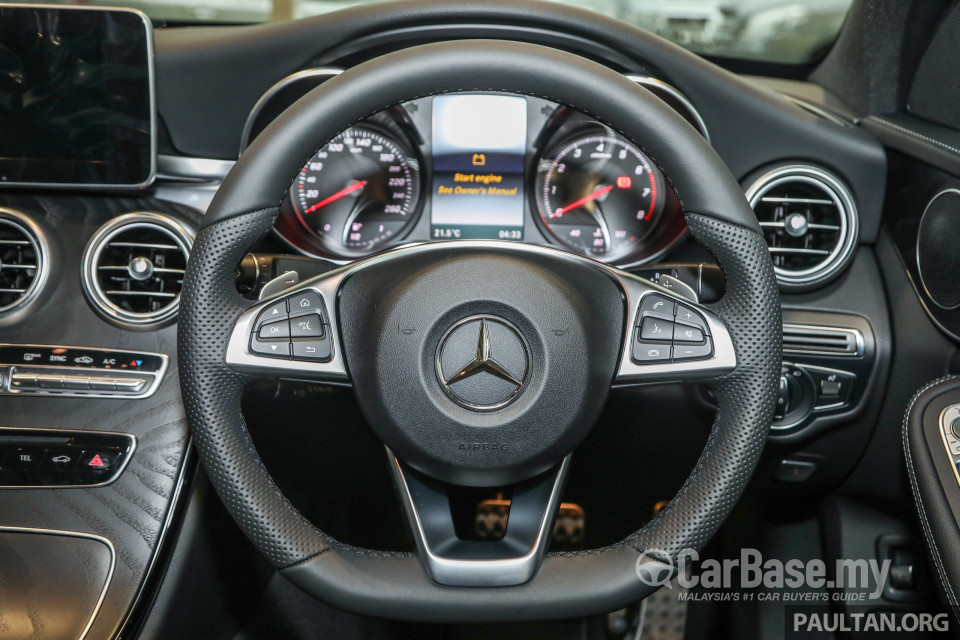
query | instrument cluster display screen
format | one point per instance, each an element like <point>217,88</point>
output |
<point>76,97</point>
<point>479,145</point>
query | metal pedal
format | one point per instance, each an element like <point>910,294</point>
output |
<point>663,616</point>
<point>493,515</point>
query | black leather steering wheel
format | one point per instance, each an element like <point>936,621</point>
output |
<point>565,374</point>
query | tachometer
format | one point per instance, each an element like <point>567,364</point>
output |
<point>599,195</point>
<point>357,192</point>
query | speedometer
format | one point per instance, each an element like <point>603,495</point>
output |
<point>357,192</point>
<point>599,195</point>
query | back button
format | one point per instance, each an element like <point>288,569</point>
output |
<point>313,350</point>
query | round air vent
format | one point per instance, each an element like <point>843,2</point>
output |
<point>23,260</point>
<point>809,222</point>
<point>133,267</point>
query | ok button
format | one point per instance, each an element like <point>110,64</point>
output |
<point>278,329</point>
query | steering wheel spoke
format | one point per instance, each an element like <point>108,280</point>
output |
<point>669,338</point>
<point>451,561</point>
<point>293,334</point>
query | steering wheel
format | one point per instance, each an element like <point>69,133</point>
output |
<point>479,363</point>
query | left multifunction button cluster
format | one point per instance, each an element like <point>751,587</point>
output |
<point>296,327</point>
<point>670,331</point>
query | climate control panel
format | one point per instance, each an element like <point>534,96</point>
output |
<point>35,370</point>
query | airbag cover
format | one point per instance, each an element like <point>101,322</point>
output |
<point>552,324</point>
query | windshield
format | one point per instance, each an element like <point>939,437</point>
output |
<point>783,31</point>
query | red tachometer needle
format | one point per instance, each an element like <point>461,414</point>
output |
<point>337,195</point>
<point>582,201</point>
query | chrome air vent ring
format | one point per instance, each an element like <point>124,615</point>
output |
<point>809,221</point>
<point>133,268</point>
<point>24,260</point>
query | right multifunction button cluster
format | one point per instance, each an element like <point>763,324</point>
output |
<point>669,331</point>
<point>296,327</point>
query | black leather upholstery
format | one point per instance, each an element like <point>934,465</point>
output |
<point>394,585</point>
<point>936,492</point>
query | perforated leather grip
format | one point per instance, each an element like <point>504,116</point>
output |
<point>393,584</point>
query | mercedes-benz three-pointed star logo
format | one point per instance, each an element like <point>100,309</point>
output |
<point>510,373</point>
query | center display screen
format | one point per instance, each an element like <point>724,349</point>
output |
<point>76,97</point>
<point>479,143</point>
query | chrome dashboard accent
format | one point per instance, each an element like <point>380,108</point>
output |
<point>187,465</point>
<point>189,169</point>
<point>14,381</point>
<point>648,81</point>
<point>88,536</point>
<point>815,328</point>
<point>818,111</point>
<point>322,72</point>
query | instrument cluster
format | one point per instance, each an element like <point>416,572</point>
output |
<point>481,166</point>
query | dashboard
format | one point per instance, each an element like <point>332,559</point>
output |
<point>479,166</point>
<point>461,166</point>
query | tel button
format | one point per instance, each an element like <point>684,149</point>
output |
<point>23,459</point>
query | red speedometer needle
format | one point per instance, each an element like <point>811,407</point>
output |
<point>337,195</point>
<point>582,201</point>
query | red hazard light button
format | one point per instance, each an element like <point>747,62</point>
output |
<point>98,460</point>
